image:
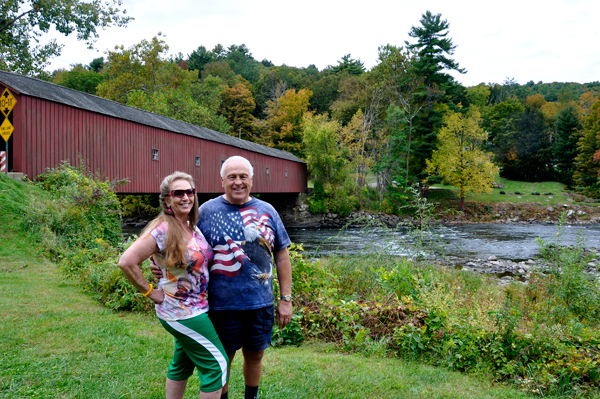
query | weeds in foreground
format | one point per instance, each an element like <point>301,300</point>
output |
<point>571,293</point>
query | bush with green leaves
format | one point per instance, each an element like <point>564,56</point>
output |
<point>329,198</point>
<point>140,206</point>
<point>79,209</point>
<point>562,283</point>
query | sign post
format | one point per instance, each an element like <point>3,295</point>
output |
<point>7,103</point>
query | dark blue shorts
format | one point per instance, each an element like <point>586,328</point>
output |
<point>250,329</point>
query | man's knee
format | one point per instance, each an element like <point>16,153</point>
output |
<point>253,356</point>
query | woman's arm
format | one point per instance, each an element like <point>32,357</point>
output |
<point>130,262</point>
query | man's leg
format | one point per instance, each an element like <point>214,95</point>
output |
<point>252,371</point>
<point>252,366</point>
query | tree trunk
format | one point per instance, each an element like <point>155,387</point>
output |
<point>462,203</point>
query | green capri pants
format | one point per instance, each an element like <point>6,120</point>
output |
<point>197,346</point>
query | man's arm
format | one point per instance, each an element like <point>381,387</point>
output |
<point>284,275</point>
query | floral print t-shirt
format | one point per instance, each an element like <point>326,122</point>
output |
<point>185,289</point>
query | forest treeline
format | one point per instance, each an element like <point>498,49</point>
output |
<point>367,135</point>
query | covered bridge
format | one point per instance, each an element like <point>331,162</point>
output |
<point>53,123</point>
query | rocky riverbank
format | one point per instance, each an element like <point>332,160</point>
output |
<point>503,212</point>
<point>508,271</point>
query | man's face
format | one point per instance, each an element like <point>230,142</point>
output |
<point>237,182</point>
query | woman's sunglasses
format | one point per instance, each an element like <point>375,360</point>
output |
<point>179,193</point>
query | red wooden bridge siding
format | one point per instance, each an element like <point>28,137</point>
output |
<point>47,133</point>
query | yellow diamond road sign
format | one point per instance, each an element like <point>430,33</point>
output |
<point>7,102</point>
<point>6,129</point>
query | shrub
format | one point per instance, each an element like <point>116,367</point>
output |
<point>548,193</point>
<point>564,285</point>
<point>517,193</point>
<point>80,208</point>
<point>535,193</point>
<point>140,206</point>
<point>327,198</point>
<point>503,192</point>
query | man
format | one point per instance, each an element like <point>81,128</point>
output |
<point>245,234</point>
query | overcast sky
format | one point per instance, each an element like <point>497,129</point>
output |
<point>548,41</point>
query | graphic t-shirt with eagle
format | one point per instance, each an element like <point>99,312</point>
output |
<point>243,238</point>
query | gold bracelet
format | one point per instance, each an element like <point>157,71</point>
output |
<point>149,291</point>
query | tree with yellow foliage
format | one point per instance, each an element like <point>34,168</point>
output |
<point>459,158</point>
<point>237,106</point>
<point>284,121</point>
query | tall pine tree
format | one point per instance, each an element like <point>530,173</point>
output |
<point>433,48</point>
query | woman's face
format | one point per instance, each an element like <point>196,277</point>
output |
<point>182,205</point>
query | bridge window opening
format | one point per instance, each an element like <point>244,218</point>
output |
<point>155,154</point>
<point>267,170</point>
<point>197,161</point>
<point>286,173</point>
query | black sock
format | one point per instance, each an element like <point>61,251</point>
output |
<point>225,395</point>
<point>251,392</point>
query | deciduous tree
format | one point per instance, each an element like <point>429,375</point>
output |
<point>284,121</point>
<point>326,157</point>
<point>79,78</point>
<point>142,67</point>
<point>24,22</point>
<point>587,167</point>
<point>143,77</point>
<point>459,158</point>
<point>238,107</point>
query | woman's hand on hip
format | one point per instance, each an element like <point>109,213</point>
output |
<point>157,296</point>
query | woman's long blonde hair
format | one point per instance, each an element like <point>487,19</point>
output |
<point>176,247</point>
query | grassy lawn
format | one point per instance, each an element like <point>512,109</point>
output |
<point>440,192</point>
<point>57,342</point>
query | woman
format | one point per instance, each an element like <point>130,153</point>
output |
<point>180,299</point>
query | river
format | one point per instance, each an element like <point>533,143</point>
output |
<point>514,242</point>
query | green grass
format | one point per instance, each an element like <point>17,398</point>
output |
<point>441,192</point>
<point>57,342</point>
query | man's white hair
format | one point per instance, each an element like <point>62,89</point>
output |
<point>237,158</point>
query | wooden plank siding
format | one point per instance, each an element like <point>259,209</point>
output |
<point>47,132</point>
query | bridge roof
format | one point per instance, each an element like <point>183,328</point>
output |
<point>74,98</point>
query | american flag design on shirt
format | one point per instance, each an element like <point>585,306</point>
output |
<point>239,229</point>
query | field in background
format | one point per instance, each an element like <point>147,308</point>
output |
<point>550,193</point>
